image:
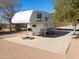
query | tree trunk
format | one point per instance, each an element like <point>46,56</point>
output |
<point>74,29</point>
<point>10,25</point>
<point>10,28</point>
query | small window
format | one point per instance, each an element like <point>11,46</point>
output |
<point>46,18</point>
<point>33,25</point>
<point>29,29</point>
<point>39,15</point>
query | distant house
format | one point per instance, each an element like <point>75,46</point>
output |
<point>36,20</point>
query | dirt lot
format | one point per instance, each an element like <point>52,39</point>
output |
<point>10,50</point>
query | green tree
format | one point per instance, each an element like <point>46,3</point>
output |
<point>67,10</point>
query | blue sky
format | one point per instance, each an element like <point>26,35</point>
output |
<point>45,5</point>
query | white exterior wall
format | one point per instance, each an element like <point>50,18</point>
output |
<point>40,25</point>
<point>37,28</point>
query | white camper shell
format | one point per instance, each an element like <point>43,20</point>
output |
<point>36,20</point>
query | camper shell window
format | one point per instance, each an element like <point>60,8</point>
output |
<point>33,25</point>
<point>39,15</point>
<point>46,18</point>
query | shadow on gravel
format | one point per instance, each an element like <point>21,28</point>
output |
<point>8,32</point>
<point>76,37</point>
<point>58,33</point>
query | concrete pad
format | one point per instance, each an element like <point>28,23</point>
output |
<point>9,50</point>
<point>57,45</point>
